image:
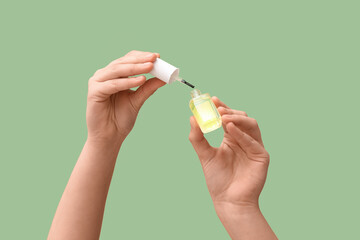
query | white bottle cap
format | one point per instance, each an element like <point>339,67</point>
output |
<point>165,71</point>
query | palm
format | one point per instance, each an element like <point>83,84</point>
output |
<point>124,116</point>
<point>232,176</point>
<point>117,114</point>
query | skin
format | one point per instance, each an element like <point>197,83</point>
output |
<point>235,172</point>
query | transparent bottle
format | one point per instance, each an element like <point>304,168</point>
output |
<point>205,112</point>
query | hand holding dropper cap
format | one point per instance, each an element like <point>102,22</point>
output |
<point>167,72</point>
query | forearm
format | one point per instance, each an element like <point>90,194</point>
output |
<point>80,211</point>
<point>244,222</point>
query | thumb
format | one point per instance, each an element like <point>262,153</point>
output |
<point>146,90</point>
<point>202,147</point>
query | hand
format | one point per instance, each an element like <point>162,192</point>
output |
<point>112,107</point>
<point>235,172</point>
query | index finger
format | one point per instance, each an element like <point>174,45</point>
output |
<point>218,102</point>
<point>141,58</point>
<point>246,142</point>
<point>139,53</point>
<point>122,70</point>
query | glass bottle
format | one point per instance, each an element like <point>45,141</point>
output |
<point>205,112</point>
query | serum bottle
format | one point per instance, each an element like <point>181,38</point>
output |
<point>205,112</point>
<point>201,105</point>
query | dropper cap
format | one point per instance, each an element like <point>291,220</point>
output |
<point>167,72</point>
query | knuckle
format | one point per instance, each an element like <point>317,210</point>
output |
<point>225,117</point>
<point>243,113</point>
<point>117,85</point>
<point>91,80</point>
<point>118,61</point>
<point>91,94</point>
<point>93,77</point>
<point>253,123</point>
<point>97,71</point>
<point>191,137</point>
<point>148,66</point>
<point>113,83</point>
<point>132,52</point>
<point>133,68</point>
<point>113,68</point>
<point>266,157</point>
<point>222,109</point>
<point>128,84</point>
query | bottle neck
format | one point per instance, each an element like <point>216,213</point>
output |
<point>195,93</point>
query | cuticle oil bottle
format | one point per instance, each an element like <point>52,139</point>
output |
<point>205,112</point>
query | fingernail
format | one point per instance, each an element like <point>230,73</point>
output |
<point>149,55</point>
<point>147,64</point>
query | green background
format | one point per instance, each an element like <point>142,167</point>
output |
<point>292,65</point>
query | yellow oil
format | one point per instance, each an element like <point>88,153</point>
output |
<point>204,111</point>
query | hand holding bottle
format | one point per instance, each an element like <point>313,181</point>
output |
<point>235,172</point>
<point>112,107</point>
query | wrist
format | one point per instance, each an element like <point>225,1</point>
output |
<point>110,144</point>
<point>244,221</point>
<point>107,139</point>
<point>227,210</point>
